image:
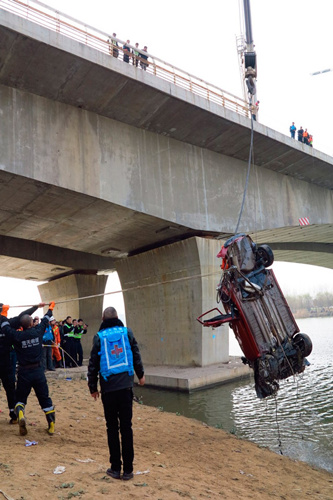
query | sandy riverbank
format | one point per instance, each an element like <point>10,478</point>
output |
<point>185,458</point>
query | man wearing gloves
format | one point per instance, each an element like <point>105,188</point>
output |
<point>114,357</point>
<point>28,345</point>
<point>7,369</point>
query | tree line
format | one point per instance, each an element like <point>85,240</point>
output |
<point>322,302</point>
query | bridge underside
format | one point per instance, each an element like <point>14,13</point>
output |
<point>135,146</point>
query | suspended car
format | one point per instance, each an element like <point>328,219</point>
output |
<point>258,313</point>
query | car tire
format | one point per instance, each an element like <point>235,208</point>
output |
<point>265,254</point>
<point>303,341</point>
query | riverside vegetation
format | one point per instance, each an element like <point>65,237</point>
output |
<point>306,306</point>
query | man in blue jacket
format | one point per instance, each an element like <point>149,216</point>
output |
<point>292,129</point>
<point>48,342</point>
<point>114,358</point>
<point>28,345</point>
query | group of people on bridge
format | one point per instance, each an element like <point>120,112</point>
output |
<point>134,54</point>
<point>302,135</point>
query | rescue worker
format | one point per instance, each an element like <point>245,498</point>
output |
<point>7,367</point>
<point>48,341</point>
<point>56,355</point>
<point>79,330</point>
<point>68,342</point>
<point>114,357</point>
<point>305,136</point>
<point>28,345</point>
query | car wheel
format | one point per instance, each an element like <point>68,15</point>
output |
<point>265,254</point>
<point>303,341</point>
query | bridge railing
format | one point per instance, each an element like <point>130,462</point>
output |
<point>46,16</point>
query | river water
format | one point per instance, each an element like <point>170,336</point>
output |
<point>298,422</point>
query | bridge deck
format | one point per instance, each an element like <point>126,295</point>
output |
<point>54,66</point>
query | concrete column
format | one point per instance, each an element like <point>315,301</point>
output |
<point>73,287</point>
<point>163,316</point>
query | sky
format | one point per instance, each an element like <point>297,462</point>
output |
<point>291,39</point>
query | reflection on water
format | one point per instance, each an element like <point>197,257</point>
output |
<point>298,422</point>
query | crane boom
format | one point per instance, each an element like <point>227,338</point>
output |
<point>248,25</point>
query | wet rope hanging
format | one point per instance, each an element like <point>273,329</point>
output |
<point>138,287</point>
<point>277,425</point>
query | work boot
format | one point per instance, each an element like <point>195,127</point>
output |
<point>13,417</point>
<point>19,409</point>
<point>50,417</point>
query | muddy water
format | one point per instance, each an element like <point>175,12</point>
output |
<point>297,423</point>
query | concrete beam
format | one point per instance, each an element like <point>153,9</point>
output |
<point>59,260</point>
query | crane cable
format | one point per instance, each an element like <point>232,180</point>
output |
<point>248,168</point>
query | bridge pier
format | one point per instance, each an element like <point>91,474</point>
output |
<point>73,287</point>
<point>163,315</point>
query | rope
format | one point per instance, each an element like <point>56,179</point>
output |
<point>277,425</point>
<point>139,287</point>
<point>248,171</point>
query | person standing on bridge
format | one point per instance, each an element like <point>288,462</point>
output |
<point>136,55</point>
<point>144,58</point>
<point>114,358</point>
<point>292,130</point>
<point>127,51</point>
<point>305,136</point>
<point>114,45</point>
<point>300,134</point>
<point>28,345</point>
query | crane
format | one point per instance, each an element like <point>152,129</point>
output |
<point>248,58</point>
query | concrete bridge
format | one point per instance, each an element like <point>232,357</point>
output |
<point>105,166</point>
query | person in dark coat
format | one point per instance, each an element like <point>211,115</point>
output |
<point>144,58</point>
<point>68,342</point>
<point>300,134</point>
<point>126,51</point>
<point>114,358</point>
<point>28,344</point>
<point>7,354</point>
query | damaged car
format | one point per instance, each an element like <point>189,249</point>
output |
<point>258,313</point>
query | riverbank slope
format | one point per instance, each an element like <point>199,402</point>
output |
<point>185,458</point>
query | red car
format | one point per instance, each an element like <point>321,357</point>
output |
<point>257,311</point>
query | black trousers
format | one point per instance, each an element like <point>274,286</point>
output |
<point>7,375</point>
<point>78,352</point>
<point>68,345</point>
<point>33,378</point>
<point>118,416</point>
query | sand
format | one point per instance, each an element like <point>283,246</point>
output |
<point>185,458</point>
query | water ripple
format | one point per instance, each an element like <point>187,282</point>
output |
<point>298,422</point>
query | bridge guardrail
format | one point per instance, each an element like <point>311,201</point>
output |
<point>59,22</point>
